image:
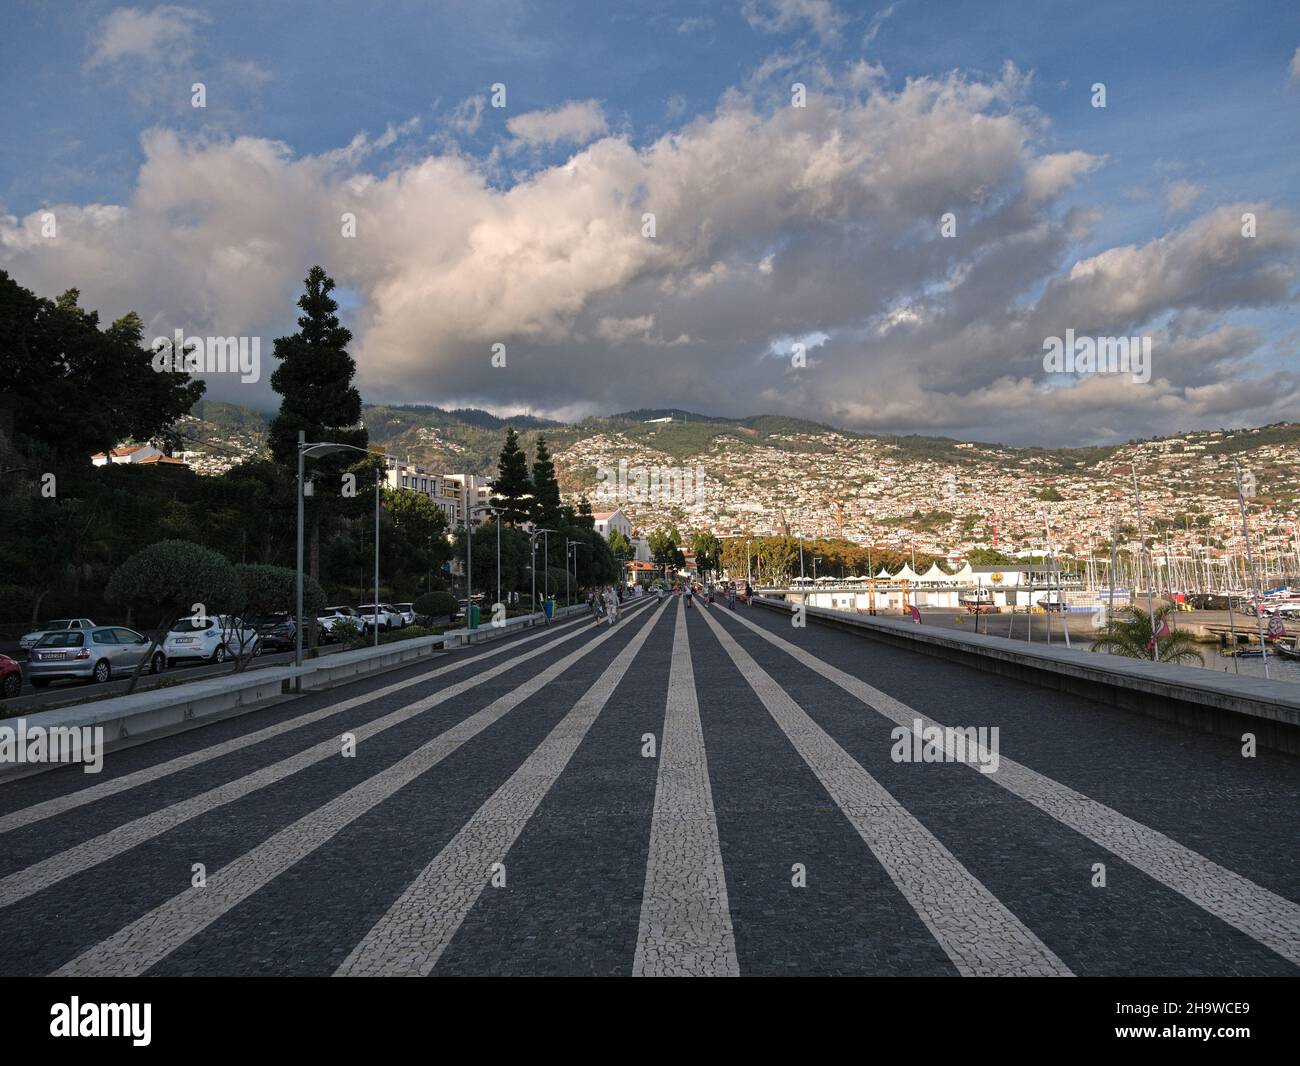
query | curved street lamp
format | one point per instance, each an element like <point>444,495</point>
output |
<point>315,449</point>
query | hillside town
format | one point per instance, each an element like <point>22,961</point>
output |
<point>866,491</point>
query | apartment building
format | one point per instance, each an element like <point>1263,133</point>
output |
<point>456,494</point>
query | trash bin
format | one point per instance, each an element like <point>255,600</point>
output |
<point>471,615</point>
<point>550,607</point>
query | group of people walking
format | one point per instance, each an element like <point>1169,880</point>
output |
<point>604,602</point>
<point>604,605</point>
<point>727,593</point>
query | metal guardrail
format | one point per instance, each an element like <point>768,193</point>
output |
<point>1270,709</point>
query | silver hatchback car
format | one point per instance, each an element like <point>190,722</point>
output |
<point>89,655</point>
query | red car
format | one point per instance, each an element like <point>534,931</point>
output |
<point>11,677</point>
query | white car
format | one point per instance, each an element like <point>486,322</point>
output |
<point>215,639</point>
<point>407,611</point>
<point>330,615</point>
<point>29,640</point>
<point>388,616</point>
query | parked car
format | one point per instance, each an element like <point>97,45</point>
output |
<point>407,611</point>
<point>11,678</point>
<point>387,616</point>
<point>30,640</point>
<point>90,655</point>
<point>215,640</point>
<point>330,615</point>
<point>277,630</point>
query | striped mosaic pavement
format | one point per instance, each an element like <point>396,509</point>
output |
<point>693,792</point>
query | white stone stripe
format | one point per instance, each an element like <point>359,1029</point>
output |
<point>1266,917</point>
<point>152,937</point>
<point>980,935</point>
<point>71,801</point>
<point>685,928</point>
<point>413,933</point>
<point>24,883</point>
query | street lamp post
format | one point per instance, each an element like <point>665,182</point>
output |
<point>314,449</point>
<point>532,552</point>
<point>469,550</point>
<point>571,548</point>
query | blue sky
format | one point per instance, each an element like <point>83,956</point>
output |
<point>1202,111</point>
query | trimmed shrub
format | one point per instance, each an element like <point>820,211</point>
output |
<point>436,605</point>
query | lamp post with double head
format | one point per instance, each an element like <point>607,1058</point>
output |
<point>469,549</point>
<point>532,552</point>
<point>311,450</point>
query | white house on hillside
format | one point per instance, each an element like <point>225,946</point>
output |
<point>128,453</point>
<point>608,521</point>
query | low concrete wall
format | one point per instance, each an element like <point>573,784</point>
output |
<point>159,712</point>
<point>1193,698</point>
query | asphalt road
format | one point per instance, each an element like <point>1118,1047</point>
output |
<point>692,792</point>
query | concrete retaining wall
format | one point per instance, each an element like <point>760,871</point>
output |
<point>126,720</point>
<point>1197,699</point>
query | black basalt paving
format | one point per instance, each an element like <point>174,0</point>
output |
<point>309,918</point>
<point>772,813</point>
<point>578,869</point>
<point>1038,868</point>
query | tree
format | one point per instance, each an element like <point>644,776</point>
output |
<point>619,543</point>
<point>435,605</point>
<point>417,542</point>
<point>988,557</point>
<point>513,486</point>
<point>73,389</point>
<point>665,550</point>
<point>708,553</point>
<point>1128,633</point>
<point>266,589</point>
<point>172,576</point>
<point>546,506</point>
<point>314,379</point>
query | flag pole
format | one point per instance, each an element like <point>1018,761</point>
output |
<point>1250,561</point>
<point>1142,547</point>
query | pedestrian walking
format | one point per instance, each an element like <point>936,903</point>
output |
<point>593,604</point>
<point>749,594</point>
<point>611,608</point>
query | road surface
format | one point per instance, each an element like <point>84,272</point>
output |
<point>692,792</point>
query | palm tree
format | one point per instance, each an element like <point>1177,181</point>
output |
<point>1128,633</point>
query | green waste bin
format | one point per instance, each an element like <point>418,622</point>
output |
<point>550,607</point>
<point>472,616</point>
